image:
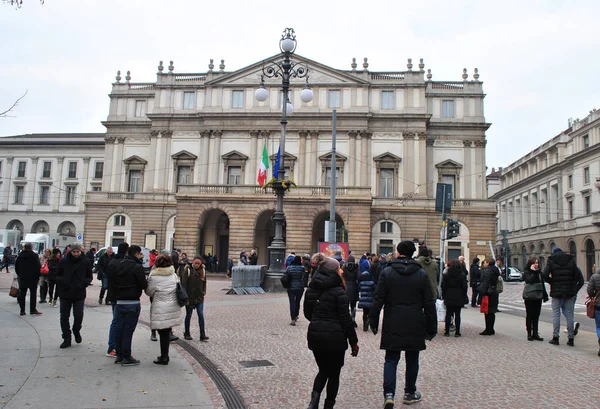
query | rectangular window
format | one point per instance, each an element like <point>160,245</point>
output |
<point>386,227</point>
<point>70,197</point>
<point>570,208</point>
<point>72,170</point>
<point>44,195</point>
<point>96,188</point>
<point>135,181</point>
<point>387,99</point>
<point>328,176</point>
<point>448,108</point>
<point>119,220</point>
<point>184,175</point>
<point>47,169</point>
<point>188,100</point>
<point>140,108</point>
<point>117,238</point>
<point>535,209</point>
<point>21,169</point>
<point>587,205</point>
<point>237,99</point>
<point>570,181</point>
<point>334,100</point>
<point>386,183</point>
<point>234,175</point>
<point>586,141</point>
<point>586,176</point>
<point>450,180</point>
<point>19,193</point>
<point>99,170</point>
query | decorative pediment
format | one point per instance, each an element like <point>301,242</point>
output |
<point>287,157</point>
<point>327,157</point>
<point>569,195</point>
<point>234,155</point>
<point>319,74</point>
<point>387,157</point>
<point>449,164</point>
<point>184,155</point>
<point>135,160</point>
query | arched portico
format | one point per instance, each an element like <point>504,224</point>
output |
<point>264,232</point>
<point>213,236</point>
<point>318,229</point>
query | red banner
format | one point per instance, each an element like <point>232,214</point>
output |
<point>329,249</point>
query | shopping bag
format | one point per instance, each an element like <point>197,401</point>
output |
<point>441,310</point>
<point>485,305</point>
<point>14,288</point>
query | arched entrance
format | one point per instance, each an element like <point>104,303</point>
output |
<point>523,257</point>
<point>318,230</point>
<point>590,258</point>
<point>66,228</point>
<point>170,234</point>
<point>213,236</point>
<point>264,232</point>
<point>385,236</point>
<point>542,257</point>
<point>40,227</point>
<point>573,249</point>
<point>16,226</point>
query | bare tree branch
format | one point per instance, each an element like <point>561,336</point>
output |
<point>5,113</point>
<point>17,3</point>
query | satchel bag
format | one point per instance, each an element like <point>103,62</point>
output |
<point>182,296</point>
<point>45,270</point>
<point>590,305</point>
<point>285,280</point>
<point>533,291</point>
<point>14,288</point>
<point>500,285</point>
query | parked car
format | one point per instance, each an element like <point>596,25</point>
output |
<point>145,252</point>
<point>514,274</point>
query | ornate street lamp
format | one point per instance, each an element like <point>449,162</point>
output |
<point>285,69</point>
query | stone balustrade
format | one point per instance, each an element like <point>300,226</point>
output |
<point>129,197</point>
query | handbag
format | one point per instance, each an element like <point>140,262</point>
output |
<point>285,280</point>
<point>14,288</point>
<point>500,285</point>
<point>45,270</point>
<point>182,296</point>
<point>440,309</point>
<point>484,308</point>
<point>590,306</point>
<point>533,291</point>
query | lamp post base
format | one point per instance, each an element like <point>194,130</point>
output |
<point>272,281</point>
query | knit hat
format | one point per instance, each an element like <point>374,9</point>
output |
<point>406,248</point>
<point>557,250</point>
<point>329,263</point>
<point>76,246</point>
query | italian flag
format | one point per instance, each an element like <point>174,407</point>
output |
<point>264,165</point>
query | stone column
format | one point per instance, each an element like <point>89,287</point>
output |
<point>307,164</point>
<point>120,176</point>
<point>358,154</point>
<point>56,204</point>
<point>479,168</point>
<point>315,158</point>
<point>367,159</point>
<point>152,174</point>
<point>252,172</point>
<point>9,173</point>
<point>421,156</point>
<point>301,158</point>
<point>34,161</point>
<point>217,156</point>
<point>429,155</point>
<point>352,158</point>
<point>84,184</point>
<point>469,173</point>
<point>109,164</point>
<point>204,155</point>
<point>408,169</point>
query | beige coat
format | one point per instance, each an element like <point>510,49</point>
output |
<point>165,311</point>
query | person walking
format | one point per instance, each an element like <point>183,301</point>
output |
<point>102,268</point>
<point>53,263</point>
<point>565,281</point>
<point>474,281</point>
<point>409,318</point>
<point>431,268</point>
<point>165,312</point>
<point>193,280</point>
<point>330,329</point>
<point>351,275</point>
<point>454,294</point>
<point>27,268</point>
<point>295,278</point>
<point>130,281</point>
<point>44,275</point>
<point>74,275</point>
<point>593,290</point>
<point>7,257</point>
<point>534,292</point>
<point>366,286</point>
<point>488,288</point>
<point>111,272</point>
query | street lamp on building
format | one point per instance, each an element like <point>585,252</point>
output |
<point>285,69</point>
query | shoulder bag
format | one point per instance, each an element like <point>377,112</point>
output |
<point>14,288</point>
<point>182,296</point>
<point>44,270</point>
<point>285,280</point>
<point>590,306</point>
<point>533,291</point>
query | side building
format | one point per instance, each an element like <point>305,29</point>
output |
<point>551,198</point>
<point>182,156</point>
<point>43,182</point>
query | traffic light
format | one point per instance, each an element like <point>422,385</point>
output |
<point>453,229</point>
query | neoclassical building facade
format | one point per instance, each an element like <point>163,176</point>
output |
<point>182,156</point>
<point>551,198</point>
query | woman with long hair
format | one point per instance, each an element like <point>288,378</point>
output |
<point>454,294</point>
<point>331,327</point>
<point>165,312</point>
<point>488,288</point>
<point>534,292</point>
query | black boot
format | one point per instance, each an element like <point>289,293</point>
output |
<point>599,348</point>
<point>314,400</point>
<point>554,341</point>
<point>534,332</point>
<point>329,403</point>
<point>203,336</point>
<point>365,326</point>
<point>529,334</point>
<point>162,360</point>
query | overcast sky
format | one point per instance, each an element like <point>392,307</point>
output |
<point>539,60</point>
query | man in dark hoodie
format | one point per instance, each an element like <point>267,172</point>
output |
<point>565,281</point>
<point>130,281</point>
<point>110,272</point>
<point>409,318</point>
<point>73,275</point>
<point>27,267</point>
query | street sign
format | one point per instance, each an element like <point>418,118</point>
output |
<point>443,198</point>
<point>79,237</point>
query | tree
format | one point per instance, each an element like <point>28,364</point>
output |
<point>17,3</point>
<point>5,114</point>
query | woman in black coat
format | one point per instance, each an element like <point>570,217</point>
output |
<point>488,287</point>
<point>454,294</point>
<point>351,275</point>
<point>474,281</point>
<point>534,292</point>
<point>330,329</point>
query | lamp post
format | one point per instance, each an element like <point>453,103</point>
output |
<point>284,69</point>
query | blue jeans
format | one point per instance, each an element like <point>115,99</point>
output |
<point>111,331</point>
<point>568,309</point>
<point>295,296</point>
<point>598,323</point>
<point>127,318</point>
<point>189,310</point>
<point>390,368</point>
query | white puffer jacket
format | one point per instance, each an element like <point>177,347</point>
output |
<point>165,311</point>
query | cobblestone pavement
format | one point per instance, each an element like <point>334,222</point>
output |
<point>502,371</point>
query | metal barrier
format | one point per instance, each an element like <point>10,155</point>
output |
<point>247,280</point>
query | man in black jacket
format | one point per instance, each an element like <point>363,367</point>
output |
<point>27,267</point>
<point>565,281</point>
<point>409,319</point>
<point>110,272</point>
<point>475,280</point>
<point>102,268</point>
<point>73,275</point>
<point>130,281</point>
